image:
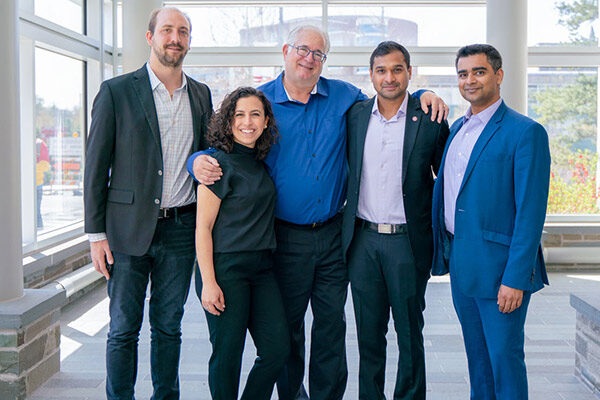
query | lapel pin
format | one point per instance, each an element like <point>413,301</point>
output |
<point>414,119</point>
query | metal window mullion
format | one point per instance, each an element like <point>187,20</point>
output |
<point>58,37</point>
<point>115,36</point>
<point>102,54</point>
<point>324,26</point>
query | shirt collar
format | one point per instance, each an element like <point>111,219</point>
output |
<point>154,81</point>
<point>282,95</point>
<point>401,111</point>
<point>485,115</point>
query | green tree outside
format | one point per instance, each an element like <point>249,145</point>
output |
<point>568,110</point>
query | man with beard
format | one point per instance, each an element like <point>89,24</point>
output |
<point>140,204</point>
<point>489,207</point>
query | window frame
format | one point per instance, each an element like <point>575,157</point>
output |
<point>89,48</point>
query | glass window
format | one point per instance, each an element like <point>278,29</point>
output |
<point>223,80</point>
<point>59,124</point>
<point>68,13</point>
<point>108,22</point>
<point>251,25</point>
<point>120,24</point>
<point>367,25</point>
<point>566,22</point>
<point>108,71</point>
<point>565,101</point>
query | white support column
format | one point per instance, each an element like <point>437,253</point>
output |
<point>507,31</point>
<point>135,24</point>
<point>11,261</point>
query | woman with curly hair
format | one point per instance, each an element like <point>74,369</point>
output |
<point>234,241</point>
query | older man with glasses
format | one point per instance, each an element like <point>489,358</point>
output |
<point>308,166</point>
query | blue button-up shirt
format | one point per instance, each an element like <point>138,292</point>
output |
<point>308,164</point>
<point>458,155</point>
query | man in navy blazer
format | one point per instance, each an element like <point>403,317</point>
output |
<point>393,152</point>
<point>489,206</point>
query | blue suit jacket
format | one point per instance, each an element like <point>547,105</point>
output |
<point>500,209</point>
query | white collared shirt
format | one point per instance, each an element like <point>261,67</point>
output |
<point>380,198</point>
<point>176,136</point>
<point>458,155</point>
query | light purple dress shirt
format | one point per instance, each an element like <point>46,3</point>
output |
<point>458,156</point>
<point>380,196</point>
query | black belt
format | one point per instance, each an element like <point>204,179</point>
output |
<point>388,229</point>
<point>312,226</point>
<point>173,211</point>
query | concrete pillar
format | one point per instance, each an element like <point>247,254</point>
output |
<point>136,14</point>
<point>11,261</point>
<point>507,31</point>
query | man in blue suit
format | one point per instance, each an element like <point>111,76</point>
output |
<point>489,206</point>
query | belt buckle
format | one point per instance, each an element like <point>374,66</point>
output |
<point>163,213</point>
<point>385,228</point>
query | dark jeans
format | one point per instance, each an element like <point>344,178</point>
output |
<point>383,276</point>
<point>309,267</point>
<point>253,303</point>
<point>168,265</point>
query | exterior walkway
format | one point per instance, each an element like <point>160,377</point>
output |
<point>549,346</point>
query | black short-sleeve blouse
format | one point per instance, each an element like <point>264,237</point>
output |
<point>246,218</point>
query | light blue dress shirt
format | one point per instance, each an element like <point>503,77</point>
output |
<point>458,156</point>
<point>381,175</point>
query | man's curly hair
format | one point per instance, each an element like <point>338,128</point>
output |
<point>220,133</point>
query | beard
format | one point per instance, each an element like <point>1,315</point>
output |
<point>393,95</point>
<point>169,60</point>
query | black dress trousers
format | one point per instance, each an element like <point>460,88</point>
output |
<point>253,303</point>
<point>383,276</point>
<point>309,268</point>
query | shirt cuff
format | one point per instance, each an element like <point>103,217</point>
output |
<point>96,237</point>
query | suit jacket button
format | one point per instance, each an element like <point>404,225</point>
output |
<point>156,201</point>
<point>160,172</point>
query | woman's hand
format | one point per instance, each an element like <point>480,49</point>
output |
<point>212,298</point>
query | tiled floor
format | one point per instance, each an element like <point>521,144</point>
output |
<point>550,332</point>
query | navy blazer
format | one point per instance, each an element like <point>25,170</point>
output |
<point>123,159</point>
<point>500,209</point>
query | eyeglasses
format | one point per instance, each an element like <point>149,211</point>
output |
<point>304,51</point>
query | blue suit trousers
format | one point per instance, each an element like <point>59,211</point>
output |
<point>494,344</point>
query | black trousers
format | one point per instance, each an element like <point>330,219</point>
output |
<point>253,303</point>
<point>309,267</point>
<point>383,276</point>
